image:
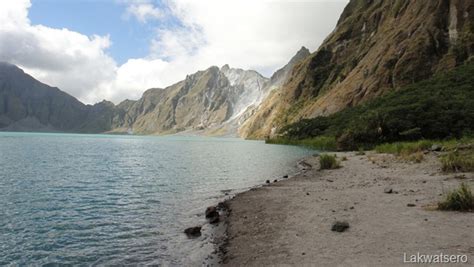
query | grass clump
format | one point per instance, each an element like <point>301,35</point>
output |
<point>458,162</point>
<point>404,148</point>
<point>328,162</point>
<point>325,143</point>
<point>460,199</point>
<point>415,157</point>
<point>360,152</point>
<point>410,151</point>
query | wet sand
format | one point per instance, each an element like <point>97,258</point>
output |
<point>289,222</point>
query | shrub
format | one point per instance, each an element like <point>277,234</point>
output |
<point>360,152</point>
<point>460,199</point>
<point>404,148</point>
<point>328,162</point>
<point>325,143</point>
<point>439,108</point>
<point>457,161</point>
<point>416,157</point>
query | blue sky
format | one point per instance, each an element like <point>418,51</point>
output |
<point>116,49</point>
<point>130,37</point>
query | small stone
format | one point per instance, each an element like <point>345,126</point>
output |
<point>411,205</point>
<point>424,182</point>
<point>352,207</point>
<point>212,215</point>
<point>307,193</point>
<point>267,181</point>
<point>436,147</point>
<point>388,190</point>
<point>285,176</point>
<point>275,181</point>
<point>214,220</point>
<point>222,206</point>
<point>329,180</point>
<point>211,212</point>
<point>426,220</point>
<point>333,210</point>
<point>193,231</point>
<point>303,253</point>
<point>339,226</point>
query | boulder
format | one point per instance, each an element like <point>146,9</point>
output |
<point>212,214</point>
<point>340,226</point>
<point>388,190</point>
<point>436,147</point>
<point>214,220</point>
<point>211,211</point>
<point>193,231</point>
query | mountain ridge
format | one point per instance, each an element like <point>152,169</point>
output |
<point>203,100</point>
<point>376,47</point>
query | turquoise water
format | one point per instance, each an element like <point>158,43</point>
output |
<point>104,199</point>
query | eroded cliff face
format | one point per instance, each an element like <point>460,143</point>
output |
<point>202,102</point>
<point>377,46</point>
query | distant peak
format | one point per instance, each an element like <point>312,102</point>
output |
<point>303,51</point>
<point>4,64</point>
<point>225,67</point>
<point>10,68</point>
<point>300,55</point>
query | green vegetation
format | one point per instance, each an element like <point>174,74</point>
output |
<point>459,157</point>
<point>460,199</point>
<point>456,161</point>
<point>324,143</point>
<point>328,162</point>
<point>404,148</point>
<point>361,152</point>
<point>439,108</point>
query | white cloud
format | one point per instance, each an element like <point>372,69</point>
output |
<point>144,11</point>
<point>253,34</point>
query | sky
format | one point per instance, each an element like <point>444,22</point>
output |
<point>116,49</point>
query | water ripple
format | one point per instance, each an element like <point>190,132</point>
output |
<point>119,200</point>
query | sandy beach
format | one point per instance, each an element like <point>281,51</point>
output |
<point>388,203</point>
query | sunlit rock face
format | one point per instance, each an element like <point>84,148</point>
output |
<point>206,102</point>
<point>377,46</point>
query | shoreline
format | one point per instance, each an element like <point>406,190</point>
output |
<point>217,233</point>
<point>289,222</point>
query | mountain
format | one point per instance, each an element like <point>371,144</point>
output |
<point>202,101</point>
<point>29,105</point>
<point>211,102</point>
<point>377,47</point>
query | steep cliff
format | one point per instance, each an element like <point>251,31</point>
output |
<point>378,46</point>
<point>28,105</point>
<point>204,101</point>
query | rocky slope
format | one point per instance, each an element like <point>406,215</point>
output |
<point>28,105</point>
<point>377,46</point>
<point>202,102</point>
<point>215,101</point>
